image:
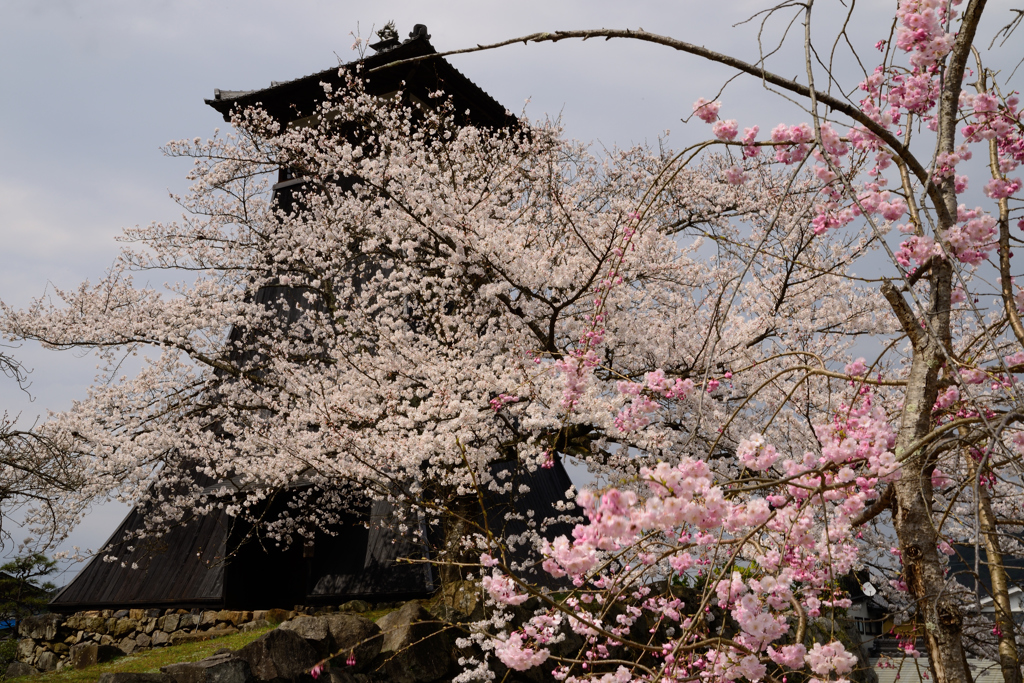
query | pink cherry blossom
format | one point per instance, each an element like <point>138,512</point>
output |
<point>705,110</point>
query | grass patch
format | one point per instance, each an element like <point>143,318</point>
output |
<point>150,661</point>
<point>375,614</point>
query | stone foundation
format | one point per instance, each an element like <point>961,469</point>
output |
<point>53,641</point>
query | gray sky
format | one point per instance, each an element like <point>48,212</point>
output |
<point>92,88</point>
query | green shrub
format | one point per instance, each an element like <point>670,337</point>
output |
<point>8,653</point>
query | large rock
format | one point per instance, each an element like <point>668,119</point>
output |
<point>279,656</point>
<point>143,640</point>
<point>94,624</point>
<point>26,649</point>
<point>47,661</point>
<point>88,654</point>
<point>276,616</point>
<point>355,606</point>
<point>40,626</point>
<point>128,645</point>
<point>126,677</point>
<point>19,669</point>
<point>160,638</point>
<point>460,601</point>
<point>231,616</point>
<point>354,635</point>
<point>168,623</point>
<point>254,625</point>
<point>76,622</point>
<point>188,620</point>
<point>222,668</point>
<point>314,630</point>
<point>417,650</point>
<point>123,627</point>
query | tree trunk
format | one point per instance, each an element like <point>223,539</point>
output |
<point>461,520</point>
<point>1009,660</point>
<point>923,571</point>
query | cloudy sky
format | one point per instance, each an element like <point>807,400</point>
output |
<point>92,88</point>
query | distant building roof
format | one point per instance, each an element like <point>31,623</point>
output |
<point>296,99</point>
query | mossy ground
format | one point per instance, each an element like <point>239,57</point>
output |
<point>150,661</point>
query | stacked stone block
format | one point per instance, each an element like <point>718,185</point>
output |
<point>52,641</point>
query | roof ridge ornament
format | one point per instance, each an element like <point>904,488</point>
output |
<point>388,38</point>
<point>419,31</point>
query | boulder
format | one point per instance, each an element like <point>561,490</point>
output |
<point>94,623</point>
<point>230,616</point>
<point>126,677</point>
<point>121,614</point>
<point>136,614</point>
<point>19,669</point>
<point>460,601</point>
<point>188,620</point>
<point>254,625</point>
<point>168,623</point>
<point>60,648</point>
<point>355,606</point>
<point>123,627</point>
<point>143,640</point>
<point>354,635</point>
<point>47,661</point>
<point>152,613</point>
<point>106,640</point>
<point>160,638</point>
<point>417,650</point>
<point>26,649</point>
<point>222,668</point>
<point>276,616</point>
<point>179,637</point>
<point>88,654</point>
<point>209,618</point>
<point>314,630</point>
<point>128,645</point>
<point>40,626</point>
<point>278,656</point>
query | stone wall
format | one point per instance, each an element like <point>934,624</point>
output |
<point>52,641</point>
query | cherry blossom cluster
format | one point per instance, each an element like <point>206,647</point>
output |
<point>691,528</point>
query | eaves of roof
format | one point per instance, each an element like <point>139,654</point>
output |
<point>295,99</point>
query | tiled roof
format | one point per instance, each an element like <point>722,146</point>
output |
<point>290,100</point>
